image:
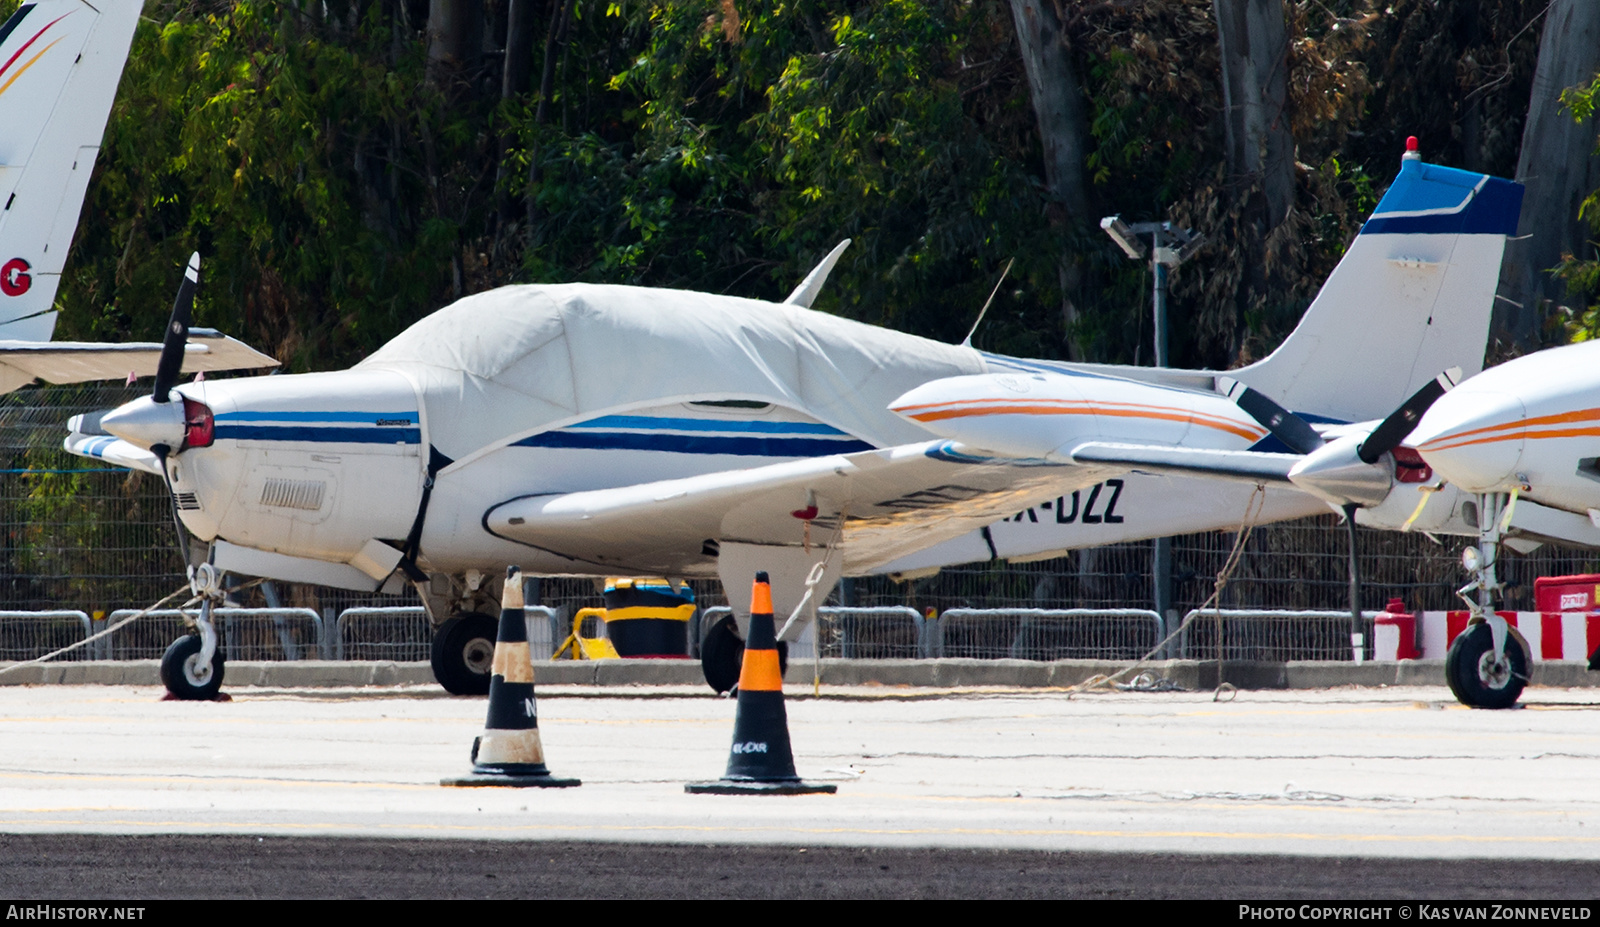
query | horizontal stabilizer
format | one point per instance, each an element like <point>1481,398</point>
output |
<point>114,451</point>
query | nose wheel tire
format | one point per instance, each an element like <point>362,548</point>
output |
<point>463,653</point>
<point>1477,677</point>
<point>722,655</point>
<point>185,676</point>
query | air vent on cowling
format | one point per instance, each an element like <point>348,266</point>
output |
<point>293,494</point>
<point>186,501</point>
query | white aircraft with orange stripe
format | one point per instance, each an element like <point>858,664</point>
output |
<point>1529,426</point>
<point>605,430</point>
<point>60,62</point>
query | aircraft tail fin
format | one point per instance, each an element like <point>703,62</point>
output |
<point>1411,297</point>
<point>60,63</point>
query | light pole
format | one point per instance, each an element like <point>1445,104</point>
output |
<point>1169,248</point>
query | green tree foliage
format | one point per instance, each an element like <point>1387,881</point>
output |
<point>338,190</point>
<point>1582,321</point>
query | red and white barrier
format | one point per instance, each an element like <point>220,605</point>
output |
<point>1550,635</point>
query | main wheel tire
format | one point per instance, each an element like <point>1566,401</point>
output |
<point>463,653</point>
<point>1476,678</point>
<point>185,676</point>
<point>722,655</point>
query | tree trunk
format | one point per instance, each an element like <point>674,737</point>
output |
<point>1253,39</point>
<point>555,39</point>
<point>519,48</point>
<point>1255,77</point>
<point>1559,167</point>
<point>1057,101</point>
<point>455,38</point>
<point>1058,105</point>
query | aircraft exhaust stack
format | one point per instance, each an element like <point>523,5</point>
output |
<point>509,752</point>
<point>761,761</point>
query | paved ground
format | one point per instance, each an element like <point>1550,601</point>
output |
<point>1372,773</point>
<point>39,867</point>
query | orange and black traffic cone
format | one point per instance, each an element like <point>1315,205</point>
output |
<point>761,761</point>
<point>508,752</point>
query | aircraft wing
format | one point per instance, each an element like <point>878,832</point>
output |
<point>21,362</point>
<point>1246,466</point>
<point>113,451</point>
<point>893,501</point>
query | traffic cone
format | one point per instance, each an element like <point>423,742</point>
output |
<point>508,752</point>
<point>761,761</point>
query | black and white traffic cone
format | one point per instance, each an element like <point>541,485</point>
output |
<point>761,761</point>
<point>508,752</point>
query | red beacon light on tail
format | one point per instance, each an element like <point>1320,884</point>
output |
<point>1412,154</point>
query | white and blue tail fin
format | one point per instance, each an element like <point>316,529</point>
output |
<point>60,63</point>
<point>1411,297</point>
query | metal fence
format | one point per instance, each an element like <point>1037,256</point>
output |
<point>1048,633</point>
<point>1271,635</point>
<point>30,635</point>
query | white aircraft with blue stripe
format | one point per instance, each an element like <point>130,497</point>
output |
<point>597,430</point>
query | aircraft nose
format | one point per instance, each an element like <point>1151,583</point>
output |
<point>994,412</point>
<point>1473,438</point>
<point>146,423</point>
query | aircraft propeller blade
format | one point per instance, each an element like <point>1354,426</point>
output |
<point>177,336</point>
<point>1295,433</point>
<point>1402,421</point>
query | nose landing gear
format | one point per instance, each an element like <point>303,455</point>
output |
<point>1487,664</point>
<point>192,667</point>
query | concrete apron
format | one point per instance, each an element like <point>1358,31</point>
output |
<point>1190,674</point>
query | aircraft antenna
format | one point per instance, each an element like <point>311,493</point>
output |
<point>967,341</point>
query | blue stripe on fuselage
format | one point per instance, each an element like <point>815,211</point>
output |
<point>367,417</point>
<point>643,422</point>
<point>693,444</point>
<point>319,435</point>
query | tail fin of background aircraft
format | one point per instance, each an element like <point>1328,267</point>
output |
<point>60,63</point>
<point>1411,297</point>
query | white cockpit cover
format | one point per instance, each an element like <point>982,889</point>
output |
<point>513,361</point>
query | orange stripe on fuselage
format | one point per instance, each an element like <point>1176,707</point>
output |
<point>760,672</point>
<point>1516,436</point>
<point>1444,442</point>
<point>1076,407</point>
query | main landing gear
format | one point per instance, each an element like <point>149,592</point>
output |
<point>191,669</point>
<point>1487,664</point>
<point>463,653</point>
<point>722,655</point>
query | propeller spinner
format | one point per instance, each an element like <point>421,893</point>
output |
<point>157,423</point>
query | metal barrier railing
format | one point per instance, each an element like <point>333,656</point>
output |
<point>1048,633</point>
<point>878,632</point>
<point>29,635</point>
<point>404,633</point>
<point>400,632</point>
<point>246,634</point>
<point>1272,635</point>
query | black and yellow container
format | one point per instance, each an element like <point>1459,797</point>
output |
<point>649,617</point>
